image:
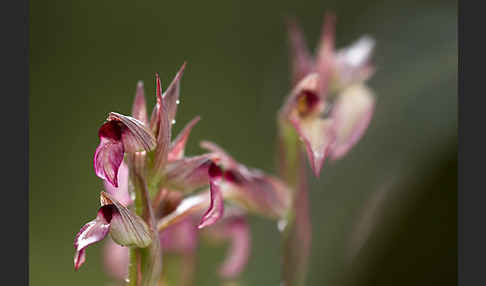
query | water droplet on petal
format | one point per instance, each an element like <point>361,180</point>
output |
<point>178,101</point>
<point>127,280</point>
<point>173,121</point>
<point>281,224</point>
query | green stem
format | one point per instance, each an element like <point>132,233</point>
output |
<point>144,262</point>
<point>297,233</point>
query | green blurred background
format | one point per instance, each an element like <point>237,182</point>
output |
<point>384,215</point>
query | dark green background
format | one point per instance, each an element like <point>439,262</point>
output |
<point>396,189</point>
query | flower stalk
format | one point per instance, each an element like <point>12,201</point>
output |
<point>296,230</point>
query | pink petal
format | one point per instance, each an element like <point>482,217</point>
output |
<point>225,159</point>
<point>352,113</point>
<point>92,232</point>
<point>264,195</point>
<point>237,230</point>
<point>139,109</point>
<point>127,228</point>
<point>318,136</point>
<point>325,54</point>
<point>189,173</point>
<point>352,63</point>
<point>171,95</point>
<point>155,117</point>
<point>302,62</point>
<point>134,135</point>
<point>190,205</point>
<point>107,159</point>
<point>216,207</point>
<point>179,144</point>
<point>163,135</point>
<point>121,193</point>
<point>119,134</point>
<point>251,189</point>
<point>180,237</point>
<point>116,259</point>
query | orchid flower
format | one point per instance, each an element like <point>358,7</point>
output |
<point>125,227</point>
<point>118,135</point>
<point>248,189</point>
<point>330,107</point>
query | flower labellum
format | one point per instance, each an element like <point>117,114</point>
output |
<point>216,207</point>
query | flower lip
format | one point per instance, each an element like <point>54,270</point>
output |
<point>216,207</point>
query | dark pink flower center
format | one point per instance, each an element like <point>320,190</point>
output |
<point>233,177</point>
<point>107,212</point>
<point>112,130</point>
<point>215,171</point>
<point>306,102</point>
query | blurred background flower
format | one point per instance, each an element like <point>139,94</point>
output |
<point>383,215</point>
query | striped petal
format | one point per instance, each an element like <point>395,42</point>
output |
<point>127,228</point>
